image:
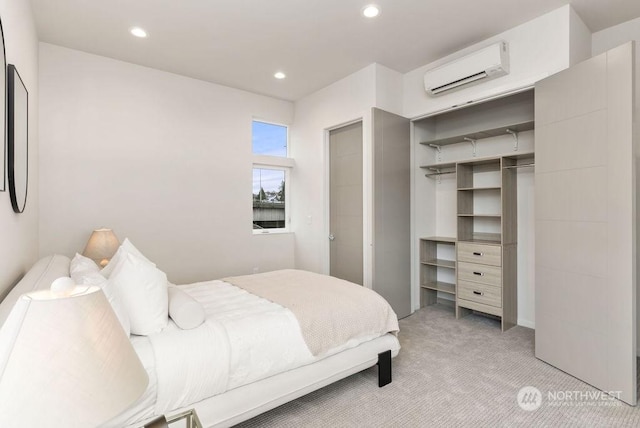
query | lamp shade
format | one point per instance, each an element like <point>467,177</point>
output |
<point>66,362</point>
<point>102,245</point>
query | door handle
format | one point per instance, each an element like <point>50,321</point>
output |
<point>331,237</point>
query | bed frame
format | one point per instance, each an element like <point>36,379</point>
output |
<point>239,404</point>
<point>248,401</point>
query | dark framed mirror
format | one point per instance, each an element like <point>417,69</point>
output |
<point>3,106</point>
<point>17,139</point>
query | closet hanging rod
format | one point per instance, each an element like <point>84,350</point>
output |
<point>525,165</point>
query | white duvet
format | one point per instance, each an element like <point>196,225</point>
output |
<point>242,341</point>
<point>244,338</point>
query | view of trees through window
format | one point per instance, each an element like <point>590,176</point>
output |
<point>269,184</point>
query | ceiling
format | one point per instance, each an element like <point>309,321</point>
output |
<point>242,43</point>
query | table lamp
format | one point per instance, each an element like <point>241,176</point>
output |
<point>102,245</point>
<point>65,361</point>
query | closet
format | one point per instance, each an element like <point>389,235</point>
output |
<point>470,202</point>
<point>468,256</point>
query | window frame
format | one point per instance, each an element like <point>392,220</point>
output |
<point>287,200</point>
<point>274,124</point>
<point>277,163</point>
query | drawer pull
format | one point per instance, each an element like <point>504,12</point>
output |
<point>478,293</point>
<point>479,273</point>
<point>476,253</point>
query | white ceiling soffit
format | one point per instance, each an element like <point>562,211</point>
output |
<point>242,43</point>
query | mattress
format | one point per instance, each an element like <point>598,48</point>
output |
<point>242,403</point>
<point>245,339</point>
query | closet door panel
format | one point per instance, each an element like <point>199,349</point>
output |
<point>570,294</point>
<point>391,210</point>
<point>580,193</point>
<point>585,244</point>
<point>573,143</point>
<point>580,91</point>
<point>572,246</point>
<point>621,213</point>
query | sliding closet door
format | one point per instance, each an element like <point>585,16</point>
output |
<point>585,222</point>
<point>391,210</point>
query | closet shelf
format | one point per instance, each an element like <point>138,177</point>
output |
<point>439,166</point>
<point>481,133</point>
<point>479,188</point>
<point>480,215</point>
<point>441,263</point>
<point>445,287</point>
<point>439,239</point>
<point>482,241</point>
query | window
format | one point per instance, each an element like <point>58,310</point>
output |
<point>269,198</point>
<point>269,139</point>
<point>270,177</point>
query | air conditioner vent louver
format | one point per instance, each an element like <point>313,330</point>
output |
<point>459,82</point>
<point>485,64</point>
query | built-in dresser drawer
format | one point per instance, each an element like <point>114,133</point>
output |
<point>480,253</point>
<point>491,275</point>
<point>481,293</point>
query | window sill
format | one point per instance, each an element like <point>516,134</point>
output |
<point>273,161</point>
<point>271,232</point>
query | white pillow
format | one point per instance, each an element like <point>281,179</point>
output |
<point>88,277</point>
<point>184,310</point>
<point>125,248</point>
<point>143,290</point>
<point>81,264</point>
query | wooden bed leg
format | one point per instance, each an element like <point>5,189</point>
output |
<point>384,368</point>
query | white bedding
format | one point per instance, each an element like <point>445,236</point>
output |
<point>244,339</point>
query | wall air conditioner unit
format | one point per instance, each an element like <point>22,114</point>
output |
<point>482,65</point>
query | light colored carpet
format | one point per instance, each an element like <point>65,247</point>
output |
<point>452,373</point>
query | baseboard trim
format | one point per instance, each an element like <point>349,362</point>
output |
<point>527,323</point>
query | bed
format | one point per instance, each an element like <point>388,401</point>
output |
<point>250,354</point>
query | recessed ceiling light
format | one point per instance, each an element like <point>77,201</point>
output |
<point>279,75</point>
<point>371,11</point>
<point>138,32</point>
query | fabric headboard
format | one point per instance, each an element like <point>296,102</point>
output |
<point>39,277</point>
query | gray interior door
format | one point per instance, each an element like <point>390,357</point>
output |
<point>345,152</point>
<point>585,222</point>
<point>391,210</point>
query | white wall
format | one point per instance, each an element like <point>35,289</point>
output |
<point>537,48</point>
<point>19,232</point>
<point>162,159</point>
<point>614,36</point>
<point>344,101</point>
<point>389,89</point>
<point>580,39</point>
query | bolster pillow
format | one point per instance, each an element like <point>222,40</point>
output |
<point>184,310</point>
